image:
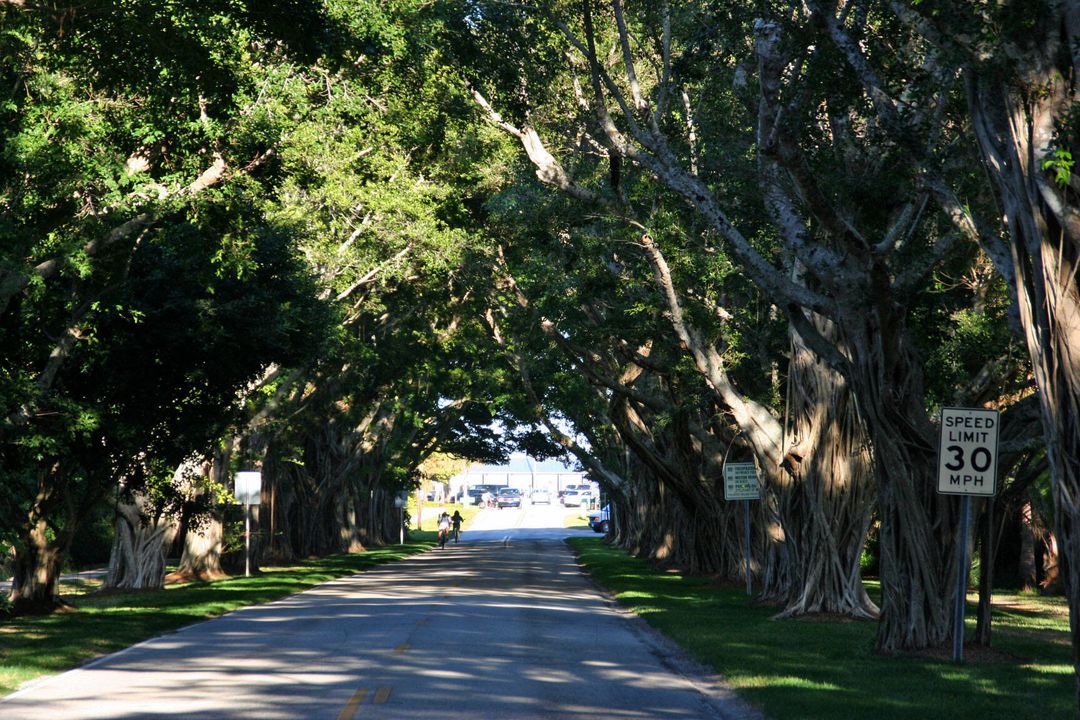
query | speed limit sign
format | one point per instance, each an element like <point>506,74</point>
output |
<point>967,452</point>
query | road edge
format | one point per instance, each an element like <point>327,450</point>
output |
<point>715,690</point>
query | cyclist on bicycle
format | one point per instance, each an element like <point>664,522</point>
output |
<point>444,528</point>
<point>455,521</point>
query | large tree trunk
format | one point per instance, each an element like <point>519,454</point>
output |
<point>315,510</point>
<point>41,547</point>
<point>205,536</point>
<point>656,525</point>
<point>137,560</point>
<point>918,525</point>
<point>36,571</point>
<point>820,494</point>
<point>202,549</point>
<point>1020,117</point>
<point>685,523</point>
<point>279,481</point>
<point>351,516</point>
<point>826,498</point>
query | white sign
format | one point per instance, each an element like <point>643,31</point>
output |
<point>741,482</point>
<point>248,487</point>
<point>967,452</point>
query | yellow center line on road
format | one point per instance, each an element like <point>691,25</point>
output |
<point>349,710</point>
<point>381,695</point>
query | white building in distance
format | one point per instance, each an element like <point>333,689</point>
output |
<point>521,472</point>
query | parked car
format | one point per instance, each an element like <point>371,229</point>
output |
<point>599,520</point>
<point>476,493</point>
<point>540,497</point>
<point>508,497</point>
<point>571,498</point>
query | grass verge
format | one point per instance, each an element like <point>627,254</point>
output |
<point>103,623</point>
<point>824,668</point>
<point>430,515</point>
<point>576,521</point>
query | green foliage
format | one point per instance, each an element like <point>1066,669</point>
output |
<point>442,466</point>
<point>1060,162</point>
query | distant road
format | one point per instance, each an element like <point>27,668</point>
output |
<point>503,625</point>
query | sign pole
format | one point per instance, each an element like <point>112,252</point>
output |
<point>248,491</point>
<point>961,581</point>
<point>967,465</point>
<point>746,532</point>
<point>741,483</point>
<point>400,502</point>
<point>247,541</point>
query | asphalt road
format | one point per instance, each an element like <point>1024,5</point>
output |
<point>502,625</point>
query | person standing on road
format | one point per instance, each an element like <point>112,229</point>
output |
<point>455,520</point>
<point>444,528</point>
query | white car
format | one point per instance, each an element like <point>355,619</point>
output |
<point>540,497</point>
<point>571,498</point>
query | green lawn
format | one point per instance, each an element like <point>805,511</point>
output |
<point>825,668</point>
<point>576,521</point>
<point>104,623</point>
<point>431,510</point>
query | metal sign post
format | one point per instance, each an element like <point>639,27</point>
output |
<point>961,581</point>
<point>746,535</point>
<point>400,502</point>
<point>741,483</point>
<point>248,492</point>
<point>967,466</point>
<point>419,509</point>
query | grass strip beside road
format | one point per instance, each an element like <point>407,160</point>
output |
<point>826,668</point>
<point>430,515</point>
<point>576,521</point>
<point>102,623</point>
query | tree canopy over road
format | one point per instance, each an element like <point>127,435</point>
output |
<point>328,239</point>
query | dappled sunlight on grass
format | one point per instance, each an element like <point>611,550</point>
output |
<point>791,682</point>
<point>828,669</point>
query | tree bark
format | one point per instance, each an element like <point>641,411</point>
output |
<point>205,536</point>
<point>688,526</point>
<point>1017,116</point>
<point>40,546</point>
<point>1029,578</point>
<point>203,548</point>
<point>918,525</point>
<point>987,559</point>
<point>36,572</point>
<point>820,508</point>
<point>137,559</point>
<point>828,494</point>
